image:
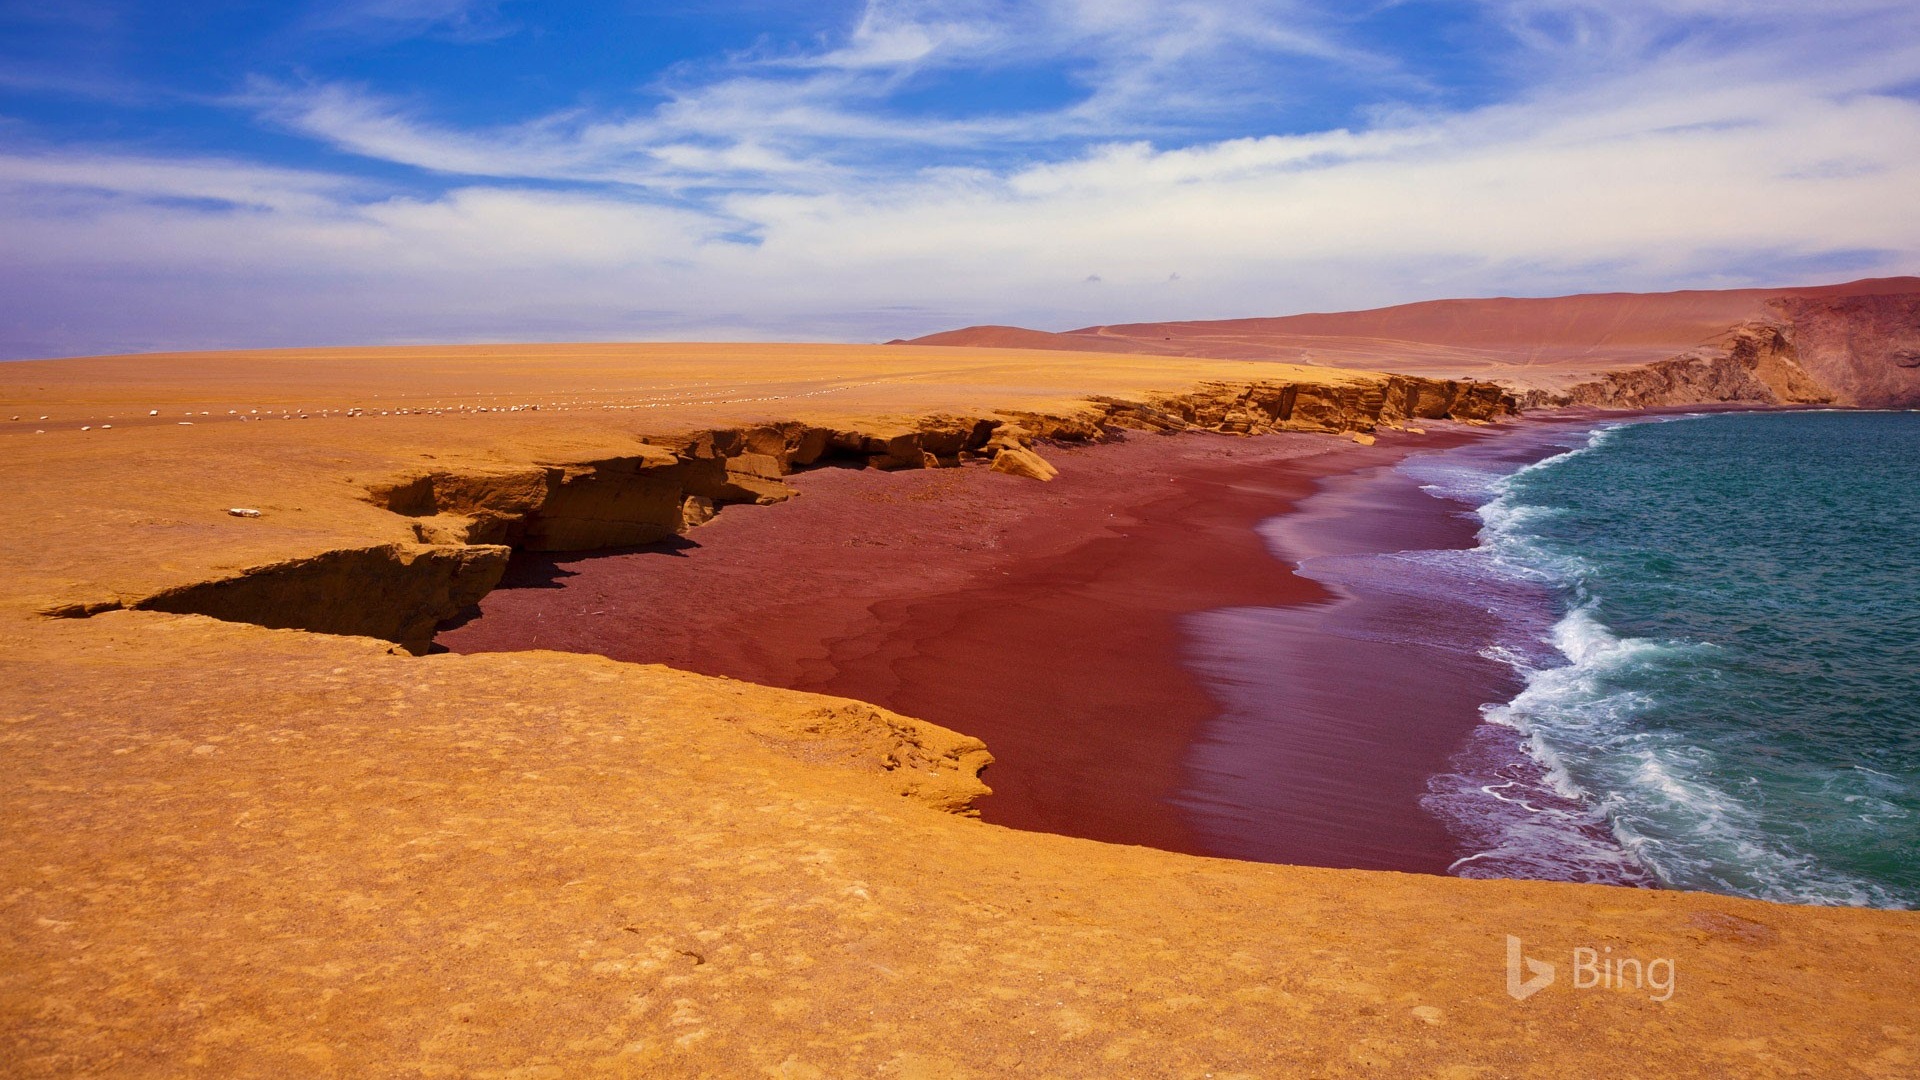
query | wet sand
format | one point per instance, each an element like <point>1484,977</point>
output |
<point>1331,710</point>
<point>1073,627</point>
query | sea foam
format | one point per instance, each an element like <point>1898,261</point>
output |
<point>1587,773</point>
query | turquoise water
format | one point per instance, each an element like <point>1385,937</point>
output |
<point>1727,696</point>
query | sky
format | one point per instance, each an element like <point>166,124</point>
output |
<point>224,174</point>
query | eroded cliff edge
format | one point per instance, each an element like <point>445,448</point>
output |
<point>465,523</point>
<point>1849,351</point>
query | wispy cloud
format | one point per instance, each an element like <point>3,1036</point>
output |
<point>226,183</point>
<point>773,115</point>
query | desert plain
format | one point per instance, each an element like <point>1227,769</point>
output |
<point>257,824</point>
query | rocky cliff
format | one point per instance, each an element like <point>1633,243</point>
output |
<point>1850,351</point>
<point>1864,349</point>
<point>465,523</point>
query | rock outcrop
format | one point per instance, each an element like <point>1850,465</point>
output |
<point>1020,461</point>
<point>1864,350</point>
<point>1850,351</point>
<point>1755,363</point>
<point>1261,407</point>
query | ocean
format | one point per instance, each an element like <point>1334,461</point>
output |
<point>1715,624</point>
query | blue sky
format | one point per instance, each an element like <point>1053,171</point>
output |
<point>228,174</point>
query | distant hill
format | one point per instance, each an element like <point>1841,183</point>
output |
<point>1543,344</point>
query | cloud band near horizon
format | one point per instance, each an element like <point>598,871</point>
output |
<point>386,171</point>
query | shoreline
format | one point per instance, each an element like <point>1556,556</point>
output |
<point>1132,642</point>
<point>1054,622</point>
<point>1332,716</point>
<point>1363,701</point>
<point>1651,743</point>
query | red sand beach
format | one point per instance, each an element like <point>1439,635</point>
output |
<point>1052,621</point>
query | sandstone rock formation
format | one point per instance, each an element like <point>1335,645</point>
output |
<point>1019,461</point>
<point>1863,350</point>
<point>1754,363</point>
<point>1859,351</point>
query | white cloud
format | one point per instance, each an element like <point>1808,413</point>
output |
<point>153,178</point>
<point>1690,168</point>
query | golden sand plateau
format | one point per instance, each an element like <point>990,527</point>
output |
<point>137,502</point>
<point>238,851</point>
